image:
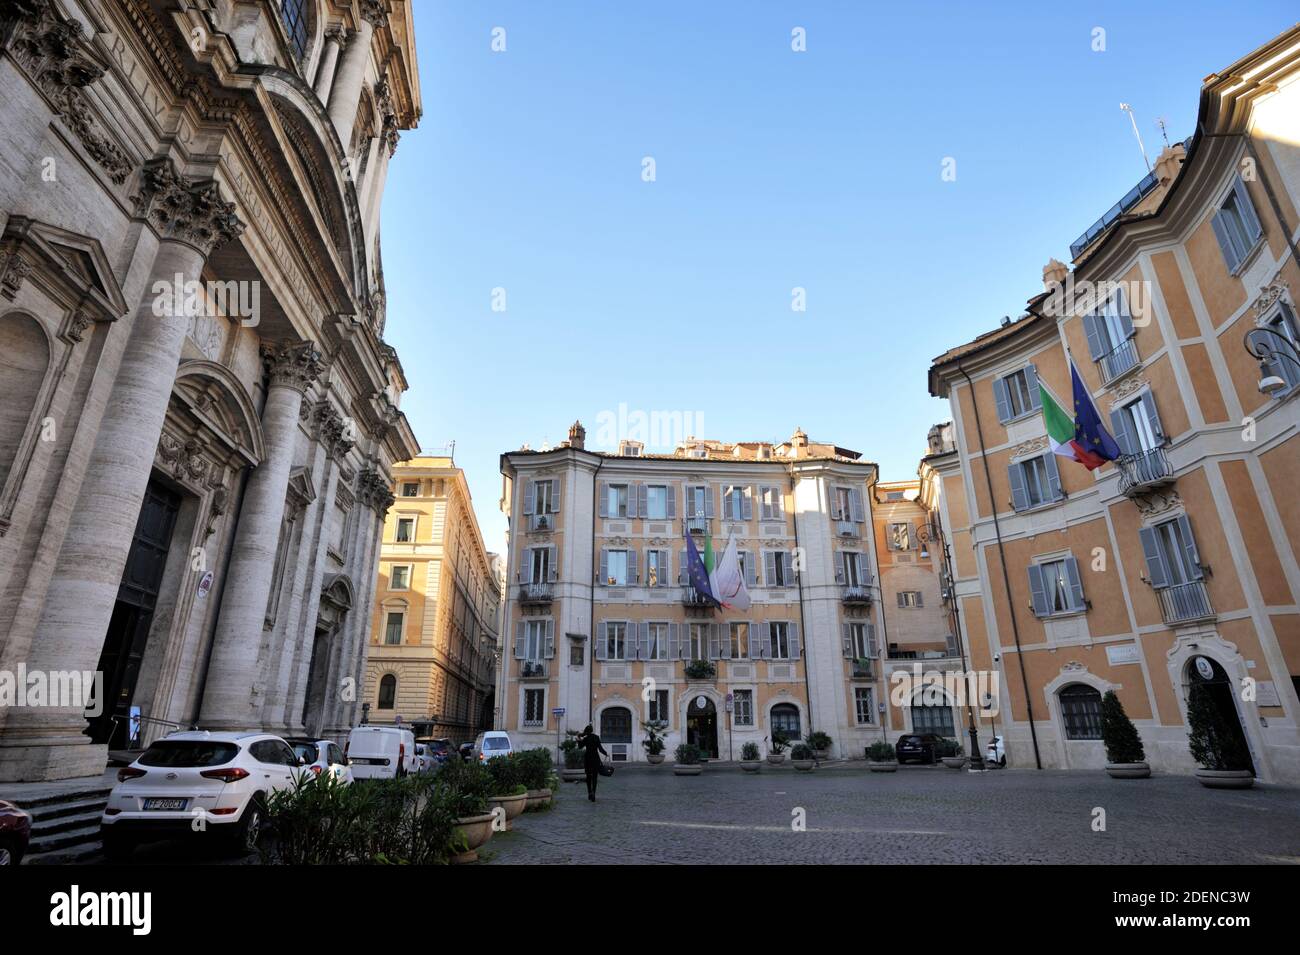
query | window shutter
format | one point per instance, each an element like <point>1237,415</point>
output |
<point>1125,316</point>
<point>1019,495</point>
<point>835,505</point>
<point>1193,558</point>
<point>521,647</point>
<point>1123,436</point>
<point>682,576</point>
<point>842,571</point>
<point>920,599</point>
<point>1097,344</point>
<point>900,598</point>
<point>643,641</point>
<point>1247,210</point>
<point>747,504</point>
<point>686,641</point>
<point>751,569</point>
<point>552,565</point>
<point>555,496</point>
<point>673,638</point>
<point>1038,591</point>
<point>793,631</point>
<point>726,503</point>
<point>525,573</point>
<point>1053,477</point>
<point>764,641</point>
<point>715,647</point>
<point>602,495</point>
<point>604,566</point>
<point>1076,584</point>
<point>670,501</point>
<point>550,639</point>
<point>1230,257</point>
<point>846,639</point>
<point>724,641</point>
<point>855,504</point>
<point>872,649</point>
<point>769,568</point>
<point>642,504</point>
<point>764,504</point>
<point>529,493</point>
<point>710,504</point>
<point>631,568</point>
<point>690,501</point>
<point>1001,399</point>
<point>779,504</point>
<point>1031,379</point>
<point>1153,417</point>
<point>1156,569</point>
<point>602,644</point>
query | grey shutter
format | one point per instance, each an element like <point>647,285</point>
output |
<point>769,568</point>
<point>726,503</point>
<point>1230,257</point>
<point>710,502</point>
<point>835,505</point>
<point>751,569</point>
<point>665,567</point>
<point>1153,417</point>
<point>1193,558</point>
<point>686,642</point>
<point>846,639</point>
<point>764,641</point>
<point>842,571</point>
<point>642,504</point>
<point>1038,591</point>
<point>643,641</point>
<point>670,501</point>
<point>715,648</point>
<point>1125,318</point>
<point>1096,335</point>
<point>920,599</point>
<point>1247,210</point>
<point>521,648</point>
<point>792,629</point>
<point>555,496</point>
<point>855,504</point>
<point>549,652</point>
<point>631,568</point>
<point>900,598</point>
<point>1053,477</point>
<point>1001,399</point>
<point>602,496</point>
<point>765,508</point>
<point>1156,569</point>
<point>525,572</point>
<point>602,644</point>
<point>747,504</point>
<point>1031,379</point>
<point>673,638</point>
<point>682,576</point>
<point>689,510</point>
<point>1123,435</point>
<point>529,493</point>
<point>1019,495</point>
<point>1076,584</point>
<point>724,641</point>
<point>604,566</point>
<point>780,504</point>
<point>872,650</point>
<point>552,565</point>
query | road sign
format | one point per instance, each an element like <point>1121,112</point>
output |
<point>558,711</point>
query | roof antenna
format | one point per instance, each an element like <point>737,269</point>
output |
<point>1129,109</point>
<point>1164,131</point>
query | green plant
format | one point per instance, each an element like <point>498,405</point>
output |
<point>749,752</point>
<point>571,751</point>
<point>1210,738</point>
<point>1123,743</point>
<point>802,751</point>
<point>507,774</point>
<point>688,754</point>
<point>469,786</point>
<point>819,740</point>
<point>535,768</point>
<point>654,736</point>
<point>947,748</point>
<point>779,742</point>
<point>881,752</point>
<point>700,670</point>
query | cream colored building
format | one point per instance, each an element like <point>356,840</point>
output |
<point>436,617</point>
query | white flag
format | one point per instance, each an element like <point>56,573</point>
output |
<point>727,580</point>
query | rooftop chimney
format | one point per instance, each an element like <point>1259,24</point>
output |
<point>577,436</point>
<point>1054,274</point>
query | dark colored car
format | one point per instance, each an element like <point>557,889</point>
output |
<point>15,830</point>
<point>440,749</point>
<point>919,746</point>
<point>466,750</point>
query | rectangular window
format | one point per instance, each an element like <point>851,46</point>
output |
<point>1283,322</point>
<point>616,504</point>
<point>542,498</point>
<point>778,569</point>
<point>1021,393</point>
<point>656,570</point>
<point>780,641</point>
<point>742,707</point>
<point>399,577</point>
<point>909,599</point>
<point>772,507</point>
<point>1034,482</point>
<point>576,655</point>
<point>860,638</point>
<point>657,634</point>
<point>534,707</point>
<point>616,641</point>
<point>1236,226</point>
<point>410,489</point>
<point>539,565</point>
<point>852,565</point>
<point>656,502</point>
<point>1055,586</point>
<point>900,536</point>
<point>658,709</point>
<point>393,628</point>
<point>405,530</point>
<point>699,641</point>
<point>617,568</point>
<point>843,503</point>
<point>864,710</point>
<point>534,640</point>
<point>739,641</point>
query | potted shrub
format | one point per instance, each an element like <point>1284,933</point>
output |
<point>1224,760</point>
<point>508,790</point>
<point>749,758</point>
<point>951,753</point>
<point>881,757</point>
<point>820,743</point>
<point>688,760</point>
<point>572,754</point>
<point>802,757</point>
<point>654,741</point>
<point>700,670</point>
<point>1125,757</point>
<point>535,770</point>
<point>776,752</point>
<point>469,788</point>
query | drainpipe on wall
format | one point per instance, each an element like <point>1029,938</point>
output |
<point>1006,577</point>
<point>803,625</point>
<point>591,619</point>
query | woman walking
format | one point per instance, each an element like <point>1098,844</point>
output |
<point>590,742</point>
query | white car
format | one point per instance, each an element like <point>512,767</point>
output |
<point>996,754</point>
<point>322,756</point>
<point>211,784</point>
<point>381,752</point>
<point>491,744</point>
<point>425,755</point>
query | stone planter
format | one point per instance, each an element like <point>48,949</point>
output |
<point>537,799</point>
<point>654,760</point>
<point>954,762</point>
<point>573,775</point>
<point>472,831</point>
<point>822,754</point>
<point>687,769</point>
<point>889,767</point>
<point>513,805</point>
<point>1226,778</point>
<point>1128,770</point>
<point>804,765</point>
<point>776,759</point>
<point>751,765</point>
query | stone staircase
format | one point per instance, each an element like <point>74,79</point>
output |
<point>65,827</point>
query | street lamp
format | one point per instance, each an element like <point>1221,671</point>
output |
<point>1271,349</point>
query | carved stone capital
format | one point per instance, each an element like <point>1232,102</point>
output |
<point>292,364</point>
<point>373,491</point>
<point>14,270</point>
<point>374,12</point>
<point>183,209</point>
<point>337,33</point>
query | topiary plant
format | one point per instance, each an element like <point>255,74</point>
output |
<point>688,754</point>
<point>881,752</point>
<point>819,740</point>
<point>802,751</point>
<point>749,752</point>
<point>1123,743</point>
<point>1211,740</point>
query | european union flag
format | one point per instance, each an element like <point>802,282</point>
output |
<point>1092,441</point>
<point>696,572</point>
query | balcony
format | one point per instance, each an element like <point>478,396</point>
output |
<point>1185,603</point>
<point>696,602</point>
<point>537,594</point>
<point>532,669</point>
<point>1144,471</point>
<point>1123,357</point>
<point>542,522</point>
<point>846,528</point>
<point>862,668</point>
<point>697,525</point>
<point>856,595</point>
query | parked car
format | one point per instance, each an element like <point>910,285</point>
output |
<point>917,746</point>
<point>466,750</point>
<point>424,758</point>
<point>15,830</point>
<point>439,750</point>
<point>996,753</point>
<point>322,756</point>
<point>211,783</point>
<point>381,752</point>
<point>490,744</point>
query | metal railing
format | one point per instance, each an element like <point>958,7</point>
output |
<point>856,594</point>
<point>697,525</point>
<point>862,668</point>
<point>1118,360</point>
<point>1145,469</point>
<point>532,669</point>
<point>536,593</point>
<point>1182,603</point>
<point>693,598</point>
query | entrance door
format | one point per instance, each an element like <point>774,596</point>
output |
<point>1214,680</point>
<point>702,726</point>
<point>616,732</point>
<point>128,628</point>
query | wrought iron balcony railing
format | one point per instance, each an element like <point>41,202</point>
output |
<point>1185,603</point>
<point>862,668</point>
<point>692,599</point>
<point>536,593</point>
<point>1118,360</point>
<point>858,595</point>
<point>532,669</point>
<point>1143,471</point>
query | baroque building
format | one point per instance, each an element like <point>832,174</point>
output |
<point>1176,565</point>
<point>198,411</point>
<point>437,611</point>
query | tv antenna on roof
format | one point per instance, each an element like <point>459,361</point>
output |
<point>1129,109</point>
<point>1164,130</point>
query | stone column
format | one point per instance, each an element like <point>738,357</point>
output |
<point>233,690</point>
<point>346,93</point>
<point>190,219</point>
<point>334,42</point>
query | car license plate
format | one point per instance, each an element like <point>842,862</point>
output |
<point>164,804</point>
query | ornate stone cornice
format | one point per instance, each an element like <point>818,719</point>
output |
<point>1267,298</point>
<point>1158,502</point>
<point>332,431</point>
<point>184,209</point>
<point>14,270</point>
<point>292,364</point>
<point>373,491</point>
<point>1128,386</point>
<point>337,33</point>
<point>1029,447</point>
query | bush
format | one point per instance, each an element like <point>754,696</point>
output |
<point>1123,743</point>
<point>749,752</point>
<point>779,742</point>
<point>1212,742</point>
<point>819,740</point>
<point>654,736</point>
<point>507,774</point>
<point>947,748</point>
<point>688,754</point>
<point>802,751</point>
<point>535,768</point>
<point>468,785</point>
<point>570,751</point>
<point>700,670</point>
<point>881,752</point>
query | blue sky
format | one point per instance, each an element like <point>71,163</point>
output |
<point>774,169</point>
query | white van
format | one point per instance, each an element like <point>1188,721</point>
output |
<point>382,752</point>
<point>490,744</point>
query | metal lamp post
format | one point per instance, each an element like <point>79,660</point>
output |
<point>1271,348</point>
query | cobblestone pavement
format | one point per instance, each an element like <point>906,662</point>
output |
<point>917,815</point>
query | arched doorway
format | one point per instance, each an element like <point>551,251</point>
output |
<point>702,725</point>
<point>933,716</point>
<point>1207,674</point>
<point>784,719</point>
<point>616,731</point>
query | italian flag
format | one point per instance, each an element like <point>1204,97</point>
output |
<point>1062,432</point>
